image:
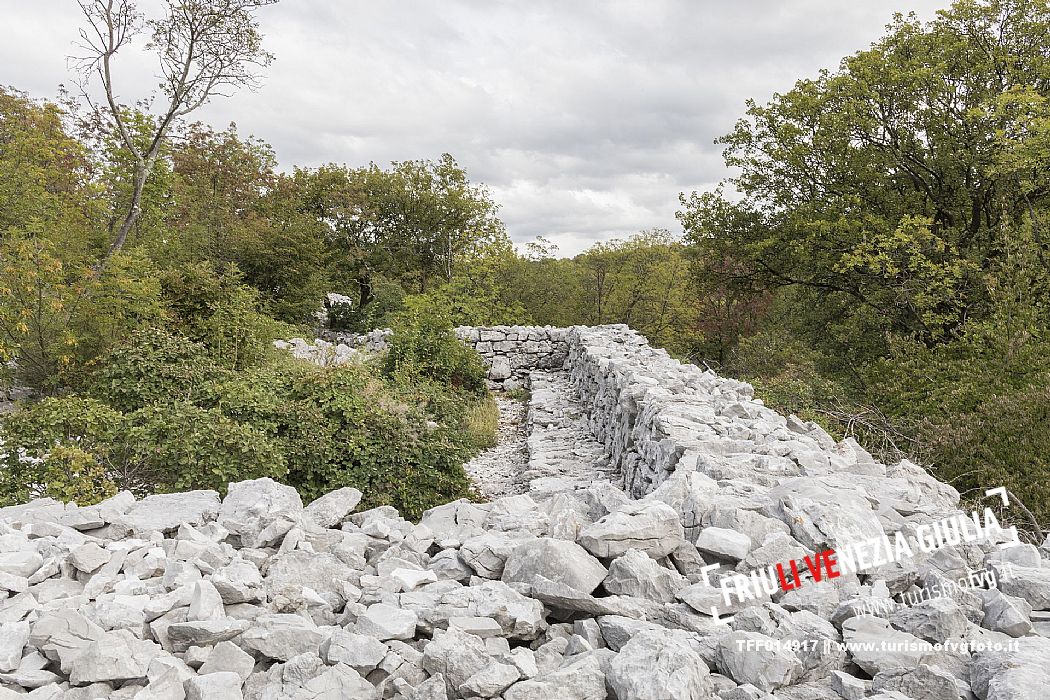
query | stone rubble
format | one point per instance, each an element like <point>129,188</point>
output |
<point>571,589</point>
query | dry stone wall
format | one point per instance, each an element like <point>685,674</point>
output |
<point>512,352</point>
<point>575,590</point>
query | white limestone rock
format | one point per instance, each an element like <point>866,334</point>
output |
<point>20,563</point>
<point>385,622</point>
<point>358,651</point>
<point>13,639</point>
<point>653,528</point>
<point>755,658</point>
<point>1006,614</point>
<point>223,685</point>
<point>636,574</point>
<point>250,507</point>
<point>332,508</point>
<point>89,557</point>
<point>577,680</point>
<point>557,560</point>
<point>115,656</point>
<point>227,657</point>
<point>165,512</point>
<point>659,664</point>
<point>923,681</point>
<point>282,637</point>
<point>723,543</point>
<point>1012,675</point>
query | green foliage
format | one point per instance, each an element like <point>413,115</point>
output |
<point>154,366</point>
<point>385,439</point>
<point>424,346</point>
<point>482,423</point>
<point>58,448</point>
<point>788,376</point>
<point>179,446</point>
<point>222,313</point>
<point>882,183</point>
<point>1003,442</point>
<point>46,183</point>
<point>36,301</point>
<point>125,295</point>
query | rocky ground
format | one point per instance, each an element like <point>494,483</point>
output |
<point>571,590</point>
<point>545,444</point>
<point>497,472</point>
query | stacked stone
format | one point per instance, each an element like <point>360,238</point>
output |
<point>579,595</point>
<point>574,591</point>
<point>373,341</point>
<point>511,352</point>
<point>320,352</point>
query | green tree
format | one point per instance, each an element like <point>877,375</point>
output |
<point>204,48</point>
<point>878,184</point>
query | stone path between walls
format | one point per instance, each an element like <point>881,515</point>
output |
<point>563,454</point>
<point>572,590</point>
<point>545,447</point>
<point>496,471</point>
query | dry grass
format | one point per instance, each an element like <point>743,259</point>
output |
<point>482,423</point>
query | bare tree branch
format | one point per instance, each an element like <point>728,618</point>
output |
<point>205,49</point>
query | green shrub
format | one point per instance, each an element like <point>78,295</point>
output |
<point>58,447</point>
<point>179,446</point>
<point>349,428</point>
<point>425,346</point>
<point>1004,442</point>
<point>124,297</point>
<point>154,366</point>
<point>222,313</point>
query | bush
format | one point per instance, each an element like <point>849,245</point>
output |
<point>425,346</point>
<point>1004,442</point>
<point>221,313</point>
<point>179,446</point>
<point>154,366</point>
<point>58,447</point>
<point>348,428</point>
<point>125,296</point>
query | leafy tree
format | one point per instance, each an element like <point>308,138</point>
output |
<point>203,47</point>
<point>418,222</point>
<point>878,183</point>
<point>46,178</point>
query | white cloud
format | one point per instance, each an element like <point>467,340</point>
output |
<point>585,118</point>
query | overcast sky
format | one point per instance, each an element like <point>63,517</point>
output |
<point>584,118</point>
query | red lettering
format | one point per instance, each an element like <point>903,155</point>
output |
<point>830,564</point>
<point>814,566</point>
<point>784,585</point>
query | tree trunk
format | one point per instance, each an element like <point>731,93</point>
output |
<point>139,184</point>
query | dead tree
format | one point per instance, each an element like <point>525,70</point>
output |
<point>205,48</point>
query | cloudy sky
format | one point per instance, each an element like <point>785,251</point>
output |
<point>585,118</point>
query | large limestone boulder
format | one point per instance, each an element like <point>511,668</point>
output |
<point>165,512</point>
<point>260,511</point>
<point>1009,674</point>
<point>556,560</point>
<point>650,527</point>
<point>755,658</point>
<point>578,680</point>
<point>659,664</point>
<point>636,574</point>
